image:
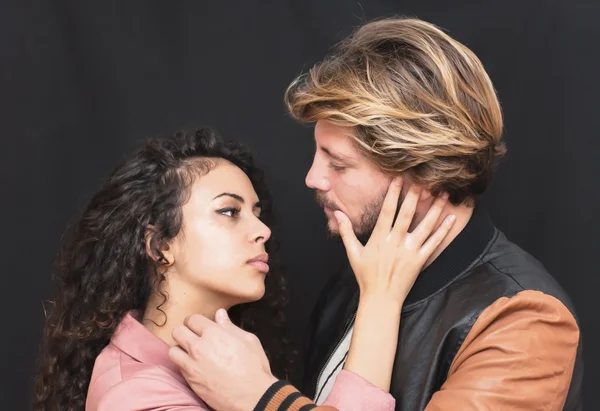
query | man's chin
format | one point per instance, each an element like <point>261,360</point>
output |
<point>332,227</point>
<point>334,232</point>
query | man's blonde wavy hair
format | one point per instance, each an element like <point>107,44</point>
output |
<point>420,103</point>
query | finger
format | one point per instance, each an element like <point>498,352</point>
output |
<point>428,223</point>
<point>351,243</point>
<point>179,357</point>
<point>222,319</point>
<point>198,323</point>
<point>185,338</point>
<point>407,211</point>
<point>385,220</point>
<point>437,237</point>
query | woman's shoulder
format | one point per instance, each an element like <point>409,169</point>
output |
<point>119,380</point>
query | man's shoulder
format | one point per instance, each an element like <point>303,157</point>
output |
<point>503,271</point>
<point>508,299</point>
<point>507,269</point>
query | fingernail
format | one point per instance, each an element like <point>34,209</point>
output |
<point>221,314</point>
<point>452,218</point>
<point>398,181</point>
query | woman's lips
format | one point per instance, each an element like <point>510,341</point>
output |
<point>260,266</point>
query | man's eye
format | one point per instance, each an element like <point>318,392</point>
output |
<point>230,211</point>
<point>336,167</point>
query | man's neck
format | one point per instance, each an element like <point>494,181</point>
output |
<point>465,243</point>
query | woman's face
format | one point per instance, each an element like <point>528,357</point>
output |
<point>220,250</point>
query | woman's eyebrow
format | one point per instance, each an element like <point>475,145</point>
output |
<point>239,198</point>
<point>234,196</point>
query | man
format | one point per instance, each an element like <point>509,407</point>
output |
<point>484,326</point>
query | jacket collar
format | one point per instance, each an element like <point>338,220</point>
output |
<point>460,254</point>
<point>135,340</point>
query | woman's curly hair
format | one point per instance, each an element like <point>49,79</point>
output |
<point>105,271</point>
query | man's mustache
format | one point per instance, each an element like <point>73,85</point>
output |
<point>322,201</point>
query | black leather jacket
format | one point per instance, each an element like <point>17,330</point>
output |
<point>465,288</point>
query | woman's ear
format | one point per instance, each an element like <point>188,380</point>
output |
<point>160,253</point>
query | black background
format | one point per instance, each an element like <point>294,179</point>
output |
<point>81,82</point>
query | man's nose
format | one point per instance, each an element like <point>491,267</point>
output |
<point>316,179</point>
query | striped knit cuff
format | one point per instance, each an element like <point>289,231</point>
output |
<point>282,396</point>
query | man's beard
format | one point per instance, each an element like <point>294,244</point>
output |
<point>368,218</point>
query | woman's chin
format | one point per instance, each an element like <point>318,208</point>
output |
<point>250,295</point>
<point>257,295</point>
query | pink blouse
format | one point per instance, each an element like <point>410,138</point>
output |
<point>134,372</point>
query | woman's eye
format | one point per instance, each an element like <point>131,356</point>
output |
<point>230,212</point>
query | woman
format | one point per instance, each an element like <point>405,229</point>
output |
<point>180,228</point>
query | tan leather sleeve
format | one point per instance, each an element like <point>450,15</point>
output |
<point>519,355</point>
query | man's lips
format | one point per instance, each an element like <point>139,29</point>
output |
<point>328,210</point>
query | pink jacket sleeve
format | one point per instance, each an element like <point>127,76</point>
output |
<point>352,393</point>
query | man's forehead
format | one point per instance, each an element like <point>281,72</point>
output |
<point>334,138</point>
<point>337,154</point>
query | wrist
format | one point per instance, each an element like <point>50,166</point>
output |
<point>381,299</point>
<point>255,393</point>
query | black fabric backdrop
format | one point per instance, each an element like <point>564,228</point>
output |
<point>82,82</point>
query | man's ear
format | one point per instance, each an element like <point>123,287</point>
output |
<point>425,194</point>
<point>428,196</point>
<point>160,253</point>
<point>407,184</point>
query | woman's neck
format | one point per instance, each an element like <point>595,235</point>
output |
<point>162,317</point>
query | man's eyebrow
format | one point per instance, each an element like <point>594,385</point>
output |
<point>337,156</point>
<point>238,198</point>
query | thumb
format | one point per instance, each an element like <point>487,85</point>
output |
<point>222,318</point>
<point>353,246</point>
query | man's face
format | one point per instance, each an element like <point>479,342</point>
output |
<point>345,180</point>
